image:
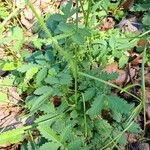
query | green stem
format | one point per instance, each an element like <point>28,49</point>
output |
<point>143,87</point>
<point>108,83</point>
<point>83,11</point>
<point>88,13</point>
<point>76,76</point>
<point>8,18</point>
<point>85,121</point>
<point>76,57</point>
<point>44,27</point>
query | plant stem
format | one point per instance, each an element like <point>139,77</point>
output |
<point>44,27</point>
<point>88,13</point>
<point>143,86</point>
<point>9,17</point>
<point>108,83</point>
<point>76,75</point>
<point>85,122</point>
<point>83,11</point>
<point>76,57</point>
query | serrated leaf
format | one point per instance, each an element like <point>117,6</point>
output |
<point>75,144</point>
<point>48,133</point>
<point>64,78</point>
<point>18,33</point>
<point>50,146</point>
<point>67,9</point>
<point>122,139</point>
<point>52,80</point>
<point>41,75</point>
<point>31,146</point>
<point>13,136</point>
<point>141,7</point>
<point>112,42</point>
<point>119,105</point>
<point>123,60</point>
<point>37,43</point>
<point>42,90</point>
<point>89,93</point>
<point>8,66</point>
<point>19,38</point>
<point>66,28</point>
<point>146,19</point>
<point>24,68</point>
<point>96,107</point>
<point>48,108</point>
<point>134,128</point>
<point>40,100</point>
<point>30,73</point>
<point>78,38</point>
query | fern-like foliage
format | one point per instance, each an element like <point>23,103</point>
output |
<point>13,136</point>
<point>141,6</point>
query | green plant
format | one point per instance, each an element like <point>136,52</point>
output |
<point>69,102</point>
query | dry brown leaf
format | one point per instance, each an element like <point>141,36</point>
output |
<point>107,23</point>
<point>137,60</point>
<point>123,76</point>
<point>132,138</point>
<point>147,79</point>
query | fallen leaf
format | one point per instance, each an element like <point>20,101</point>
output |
<point>107,23</point>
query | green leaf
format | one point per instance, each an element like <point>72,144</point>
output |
<point>48,133</point>
<point>25,67</point>
<point>141,7</point>
<point>122,139</point>
<point>50,146</point>
<point>42,90</point>
<point>40,100</point>
<point>48,108</point>
<point>30,73</point>
<point>119,105</point>
<point>13,136</point>
<point>8,66</point>
<point>52,80</point>
<point>75,144</point>
<point>18,33</point>
<point>146,19</point>
<point>89,94</point>
<point>3,97</point>
<point>37,43</point>
<point>41,75</point>
<point>134,128</point>
<point>65,78</point>
<point>31,146</point>
<point>67,9</point>
<point>78,38</point>
<point>96,107</point>
<point>66,27</point>
<point>112,42</point>
<point>49,118</point>
<point>19,38</point>
<point>123,60</point>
